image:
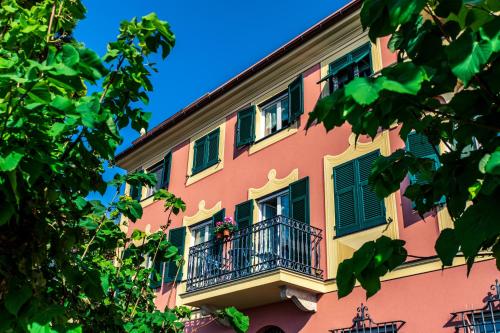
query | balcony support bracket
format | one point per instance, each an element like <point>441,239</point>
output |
<point>304,300</point>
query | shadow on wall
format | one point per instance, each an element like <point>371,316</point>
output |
<point>270,329</point>
<point>284,316</point>
<point>410,216</point>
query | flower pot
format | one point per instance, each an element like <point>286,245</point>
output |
<point>219,235</point>
<point>226,232</point>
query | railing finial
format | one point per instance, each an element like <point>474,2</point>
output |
<point>362,313</point>
<point>496,288</point>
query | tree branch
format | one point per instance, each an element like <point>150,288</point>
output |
<point>51,20</point>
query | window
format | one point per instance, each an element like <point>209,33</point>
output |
<point>206,151</point>
<point>275,115</point>
<point>157,170</point>
<point>161,170</point>
<point>201,232</point>
<point>357,63</point>
<point>177,238</point>
<point>419,145</point>
<point>485,320</point>
<point>363,323</point>
<point>135,190</point>
<point>387,328</point>
<point>356,205</point>
<point>274,205</point>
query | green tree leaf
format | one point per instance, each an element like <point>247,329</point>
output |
<point>493,164</point>
<point>16,298</point>
<point>363,90</point>
<point>11,160</point>
<point>467,56</point>
<point>447,246</point>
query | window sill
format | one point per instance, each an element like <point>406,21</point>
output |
<point>273,138</point>
<point>355,239</point>
<point>193,178</point>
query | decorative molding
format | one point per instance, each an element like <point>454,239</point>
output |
<point>304,300</point>
<point>342,248</point>
<point>273,184</point>
<point>202,213</point>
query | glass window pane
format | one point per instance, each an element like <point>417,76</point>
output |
<point>285,205</point>
<point>270,119</point>
<point>157,171</point>
<point>285,115</point>
<point>200,234</point>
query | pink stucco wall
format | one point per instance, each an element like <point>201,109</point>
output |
<point>423,301</point>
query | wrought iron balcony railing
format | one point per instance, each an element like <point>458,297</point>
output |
<point>279,242</point>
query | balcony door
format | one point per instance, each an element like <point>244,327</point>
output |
<point>274,205</point>
<point>201,233</point>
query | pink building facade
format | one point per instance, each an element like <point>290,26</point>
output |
<point>300,200</point>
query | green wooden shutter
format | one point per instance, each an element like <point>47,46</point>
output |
<point>219,216</point>
<point>212,149</point>
<point>372,208</point>
<point>361,52</point>
<point>299,200</point>
<point>419,145</point>
<point>199,154</point>
<point>242,248</point>
<point>165,176</point>
<point>339,64</point>
<point>296,98</point>
<point>346,212</point>
<point>177,238</point>
<point>245,126</point>
<point>216,249</point>
<point>136,191</point>
<point>156,275</point>
<point>243,214</point>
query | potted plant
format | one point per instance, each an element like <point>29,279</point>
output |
<point>224,228</point>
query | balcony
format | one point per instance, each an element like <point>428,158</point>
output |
<point>259,260</point>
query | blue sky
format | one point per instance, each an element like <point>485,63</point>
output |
<point>215,40</point>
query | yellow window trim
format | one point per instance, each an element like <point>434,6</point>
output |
<point>342,248</point>
<point>443,216</point>
<point>376,54</point>
<point>202,214</point>
<point>263,142</point>
<point>214,168</point>
<point>273,184</point>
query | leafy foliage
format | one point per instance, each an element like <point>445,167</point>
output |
<point>63,266</point>
<point>236,319</point>
<point>444,48</point>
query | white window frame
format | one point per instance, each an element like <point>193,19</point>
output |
<point>152,190</point>
<point>277,195</point>
<point>279,120</point>
<point>204,224</point>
